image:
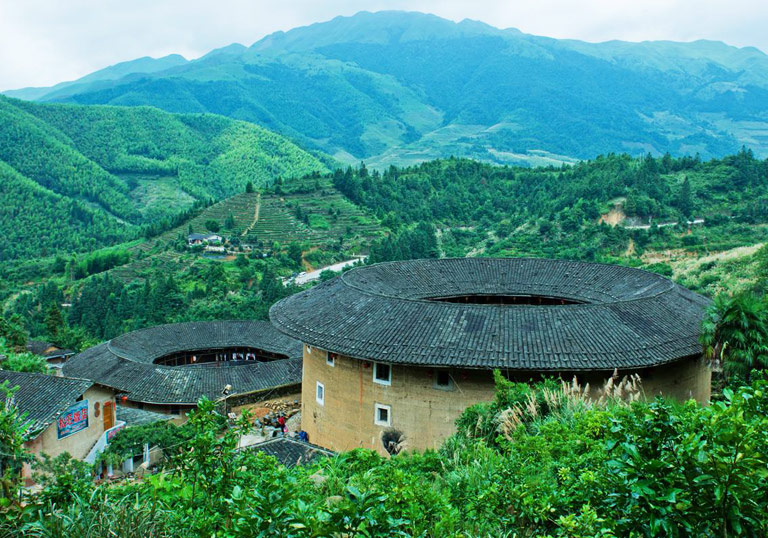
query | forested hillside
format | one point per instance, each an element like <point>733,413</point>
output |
<point>703,223</point>
<point>401,88</point>
<point>82,177</point>
<point>645,211</point>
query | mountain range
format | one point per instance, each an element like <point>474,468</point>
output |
<point>78,177</point>
<point>402,87</point>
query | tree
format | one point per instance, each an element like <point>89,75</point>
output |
<point>271,288</point>
<point>249,187</point>
<point>295,253</point>
<point>12,331</point>
<point>54,322</point>
<point>735,332</point>
<point>685,199</point>
<point>212,225</point>
<point>13,432</point>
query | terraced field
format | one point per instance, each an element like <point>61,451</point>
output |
<point>242,207</point>
<point>319,218</point>
<point>313,214</point>
<point>165,263</point>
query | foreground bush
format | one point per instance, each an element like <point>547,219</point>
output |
<point>540,461</point>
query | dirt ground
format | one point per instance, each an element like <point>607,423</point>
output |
<point>259,409</point>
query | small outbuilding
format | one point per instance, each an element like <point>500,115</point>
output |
<point>204,239</point>
<point>54,356</point>
<point>409,345</point>
<point>64,414</point>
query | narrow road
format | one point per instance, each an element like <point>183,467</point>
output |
<point>303,278</point>
<point>255,217</point>
<point>663,225</point>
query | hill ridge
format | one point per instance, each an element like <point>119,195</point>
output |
<point>404,87</point>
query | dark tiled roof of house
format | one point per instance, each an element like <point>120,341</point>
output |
<point>291,452</point>
<point>146,345</point>
<point>38,347</point>
<point>47,350</point>
<point>138,417</point>
<point>125,363</point>
<point>43,397</point>
<point>626,318</point>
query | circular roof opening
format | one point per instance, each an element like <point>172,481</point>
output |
<point>218,357</point>
<point>536,300</point>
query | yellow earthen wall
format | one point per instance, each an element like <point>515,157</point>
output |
<point>425,414</point>
<point>682,380</point>
<point>686,379</point>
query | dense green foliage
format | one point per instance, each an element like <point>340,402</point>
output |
<point>12,333</point>
<point>104,306</point>
<point>130,441</point>
<point>397,88</point>
<point>81,177</point>
<point>735,334</point>
<point>21,362</point>
<point>462,192</point>
<point>549,462</point>
<point>554,212</point>
<point>407,244</point>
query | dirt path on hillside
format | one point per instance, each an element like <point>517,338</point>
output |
<point>255,217</point>
<point>683,261</point>
<point>614,217</point>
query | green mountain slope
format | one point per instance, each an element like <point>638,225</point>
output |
<point>395,87</point>
<point>36,221</point>
<point>115,169</point>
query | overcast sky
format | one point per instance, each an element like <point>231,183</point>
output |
<point>43,42</point>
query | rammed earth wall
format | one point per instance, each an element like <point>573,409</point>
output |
<point>426,414</point>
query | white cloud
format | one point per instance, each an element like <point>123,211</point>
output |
<point>46,41</point>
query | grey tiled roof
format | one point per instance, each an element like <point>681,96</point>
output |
<point>125,363</point>
<point>291,452</point>
<point>43,397</point>
<point>138,417</point>
<point>146,345</point>
<point>629,318</point>
<point>40,347</point>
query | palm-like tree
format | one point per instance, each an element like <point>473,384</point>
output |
<point>735,333</point>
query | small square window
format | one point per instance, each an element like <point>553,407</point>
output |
<point>382,415</point>
<point>382,373</point>
<point>320,393</point>
<point>443,380</point>
<point>330,359</point>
